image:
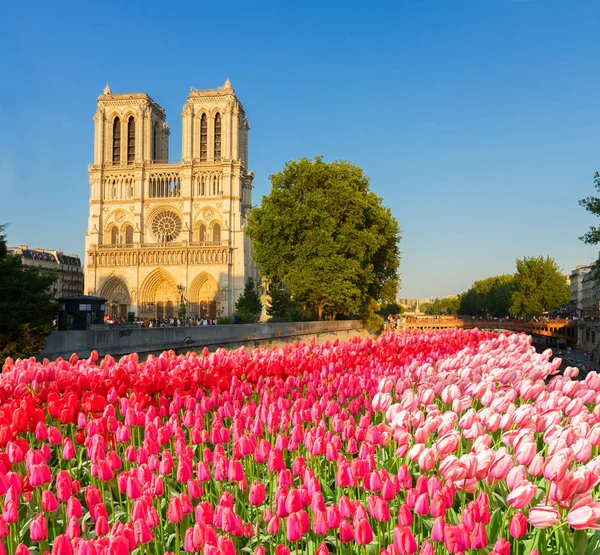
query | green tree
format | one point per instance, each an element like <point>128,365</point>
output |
<point>248,305</point>
<point>538,286</point>
<point>491,296</point>
<point>592,205</point>
<point>282,306</point>
<point>27,306</point>
<point>328,237</point>
<point>390,308</point>
<point>441,306</point>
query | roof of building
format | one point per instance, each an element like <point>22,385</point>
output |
<point>40,255</point>
<point>70,260</point>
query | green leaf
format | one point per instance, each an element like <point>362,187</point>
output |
<point>593,546</point>
<point>580,540</point>
<point>495,523</point>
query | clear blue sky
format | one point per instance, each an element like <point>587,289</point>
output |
<point>477,120</point>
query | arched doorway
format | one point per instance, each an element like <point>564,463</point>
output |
<point>204,296</point>
<point>117,297</point>
<point>159,297</point>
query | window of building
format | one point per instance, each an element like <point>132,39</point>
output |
<point>202,233</point>
<point>203,137</point>
<point>85,307</point>
<point>218,137</point>
<point>116,155</point>
<point>114,235</point>
<point>130,140</point>
<point>217,233</point>
<point>129,235</point>
<point>154,140</point>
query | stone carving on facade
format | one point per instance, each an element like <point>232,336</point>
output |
<point>208,213</point>
<point>120,216</point>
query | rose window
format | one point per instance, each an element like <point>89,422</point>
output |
<point>166,226</point>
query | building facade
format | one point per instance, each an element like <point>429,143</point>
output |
<point>67,268</point>
<point>161,234</point>
<point>576,280</point>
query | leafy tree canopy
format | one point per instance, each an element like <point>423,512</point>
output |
<point>27,306</point>
<point>491,296</point>
<point>282,307</point>
<point>248,305</point>
<point>442,306</point>
<point>592,205</point>
<point>538,286</point>
<point>390,308</point>
<point>328,237</point>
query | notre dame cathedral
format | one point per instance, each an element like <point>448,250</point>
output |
<point>160,233</point>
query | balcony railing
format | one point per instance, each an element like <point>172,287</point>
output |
<point>172,245</point>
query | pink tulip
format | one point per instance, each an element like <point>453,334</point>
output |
<point>522,495</point>
<point>518,525</point>
<point>543,516</point>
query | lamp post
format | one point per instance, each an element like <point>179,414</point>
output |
<point>223,299</point>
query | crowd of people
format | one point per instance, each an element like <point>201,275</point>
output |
<point>162,322</point>
<point>190,321</point>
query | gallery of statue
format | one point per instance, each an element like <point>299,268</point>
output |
<point>160,234</point>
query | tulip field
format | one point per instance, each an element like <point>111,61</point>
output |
<point>454,441</point>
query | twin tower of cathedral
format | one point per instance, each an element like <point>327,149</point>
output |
<point>160,234</point>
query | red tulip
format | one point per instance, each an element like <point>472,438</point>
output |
<point>38,528</point>
<point>346,531</point>
<point>257,494</point>
<point>175,510</point>
<point>404,541</point>
<point>363,532</point>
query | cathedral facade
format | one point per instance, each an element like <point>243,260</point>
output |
<point>162,234</point>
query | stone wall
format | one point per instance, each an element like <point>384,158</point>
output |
<point>120,340</point>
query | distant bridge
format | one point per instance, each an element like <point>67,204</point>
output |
<point>559,329</point>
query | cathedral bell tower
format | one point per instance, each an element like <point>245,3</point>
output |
<point>164,235</point>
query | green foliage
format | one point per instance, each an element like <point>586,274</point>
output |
<point>27,307</point>
<point>538,286</point>
<point>442,306</point>
<point>224,320</point>
<point>248,307</point>
<point>327,237</point>
<point>491,296</point>
<point>282,307</point>
<point>592,237</point>
<point>390,308</point>
<point>370,319</point>
<point>592,205</point>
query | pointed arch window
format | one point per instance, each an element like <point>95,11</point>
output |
<point>114,236</point>
<point>130,139</point>
<point>216,233</point>
<point>202,233</point>
<point>116,153</point>
<point>202,186</point>
<point>218,137</point>
<point>128,235</point>
<point>203,137</point>
<point>154,141</point>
